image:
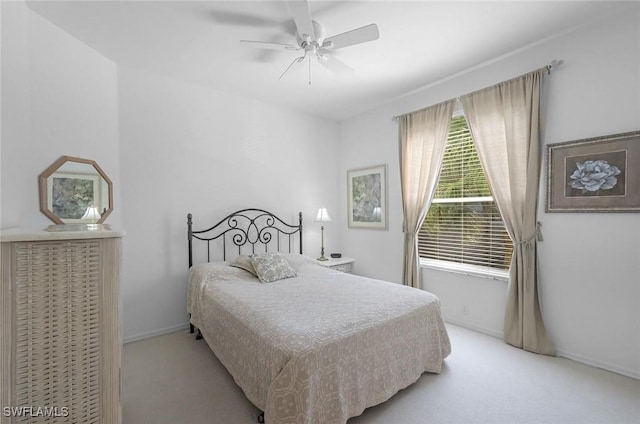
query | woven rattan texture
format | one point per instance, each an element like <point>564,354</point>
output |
<point>58,352</point>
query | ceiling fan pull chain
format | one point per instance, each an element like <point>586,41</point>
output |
<point>296,60</point>
<point>309,71</point>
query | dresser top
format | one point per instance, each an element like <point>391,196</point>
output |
<point>36,234</point>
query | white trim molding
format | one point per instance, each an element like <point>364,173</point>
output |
<point>155,333</point>
<point>466,269</point>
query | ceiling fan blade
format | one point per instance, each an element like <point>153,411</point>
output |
<point>267,45</point>
<point>334,64</point>
<point>355,36</point>
<point>302,18</point>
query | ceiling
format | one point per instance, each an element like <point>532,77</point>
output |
<point>420,43</point>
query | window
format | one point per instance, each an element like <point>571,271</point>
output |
<point>463,225</point>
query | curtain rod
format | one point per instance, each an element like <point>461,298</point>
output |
<point>554,64</point>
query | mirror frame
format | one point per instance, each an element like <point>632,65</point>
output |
<point>42,186</point>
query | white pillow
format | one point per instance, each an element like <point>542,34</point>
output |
<point>244,262</point>
<point>296,260</point>
<point>271,267</point>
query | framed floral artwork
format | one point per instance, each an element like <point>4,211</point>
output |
<point>367,197</point>
<point>600,174</point>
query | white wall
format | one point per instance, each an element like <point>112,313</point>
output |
<point>589,263</point>
<point>169,148</point>
<point>59,97</point>
<point>185,148</point>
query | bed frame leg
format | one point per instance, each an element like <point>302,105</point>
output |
<point>191,330</point>
<point>199,335</point>
<point>261,418</point>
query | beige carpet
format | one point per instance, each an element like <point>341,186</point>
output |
<point>176,379</point>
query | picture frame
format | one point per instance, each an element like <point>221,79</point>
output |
<point>600,174</point>
<point>367,197</point>
<point>70,193</point>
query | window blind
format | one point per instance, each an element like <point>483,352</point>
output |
<point>463,224</point>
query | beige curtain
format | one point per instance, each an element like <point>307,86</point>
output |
<point>504,123</point>
<point>422,137</point>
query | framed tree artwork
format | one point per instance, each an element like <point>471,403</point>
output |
<point>367,197</point>
<point>600,174</point>
<point>70,194</point>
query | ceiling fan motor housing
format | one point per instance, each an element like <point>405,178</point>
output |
<point>319,34</point>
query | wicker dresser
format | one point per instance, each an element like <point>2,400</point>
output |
<point>60,327</point>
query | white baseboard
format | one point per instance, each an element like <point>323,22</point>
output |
<point>155,333</point>
<point>562,353</point>
<point>483,330</point>
<point>598,364</point>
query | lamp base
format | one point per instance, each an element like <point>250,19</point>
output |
<point>322,258</point>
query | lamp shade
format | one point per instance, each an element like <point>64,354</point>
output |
<point>323,215</point>
<point>91,213</point>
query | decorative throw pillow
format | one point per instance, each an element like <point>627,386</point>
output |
<point>244,262</point>
<point>271,267</point>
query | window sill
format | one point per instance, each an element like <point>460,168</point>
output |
<point>466,269</point>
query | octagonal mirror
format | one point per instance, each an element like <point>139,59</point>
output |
<point>75,191</point>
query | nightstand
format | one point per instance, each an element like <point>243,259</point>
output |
<point>339,264</point>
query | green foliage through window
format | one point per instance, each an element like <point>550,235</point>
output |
<point>463,223</point>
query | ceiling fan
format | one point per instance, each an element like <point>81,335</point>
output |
<point>310,37</point>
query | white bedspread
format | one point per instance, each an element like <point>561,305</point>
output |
<point>320,347</point>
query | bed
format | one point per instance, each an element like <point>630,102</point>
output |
<point>317,346</point>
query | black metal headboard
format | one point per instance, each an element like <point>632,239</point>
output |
<point>246,227</point>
